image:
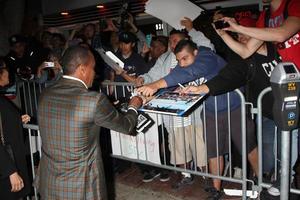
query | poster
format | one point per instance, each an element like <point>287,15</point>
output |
<point>144,146</point>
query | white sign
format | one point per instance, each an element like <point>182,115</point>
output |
<point>145,146</point>
<point>172,11</point>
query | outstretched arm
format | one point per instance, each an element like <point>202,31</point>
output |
<point>289,27</point>
<point>151,88</point>
<point>198,37</point>
<point>244,50</point>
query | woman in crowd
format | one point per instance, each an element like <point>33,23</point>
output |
<point>14,180</point>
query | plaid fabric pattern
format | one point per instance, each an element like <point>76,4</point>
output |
<point>70,117</point>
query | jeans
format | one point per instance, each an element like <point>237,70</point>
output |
<point>268,136</point>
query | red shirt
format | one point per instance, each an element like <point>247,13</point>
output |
<point>291,52</point>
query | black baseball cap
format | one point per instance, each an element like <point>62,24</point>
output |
<point>127,37</point>
<point>14,39</point>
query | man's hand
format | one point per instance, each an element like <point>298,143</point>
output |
<point>139,81</point>
<point>57,66</point>
<point>25,119</point>
<point>131,23</point>
<point>147,90</point>
<point>135,102</point>
<point>187,23</point>
<point>202,89</point>
<point>145,49</point>
<point>118,70</point>
<point>16,182</point>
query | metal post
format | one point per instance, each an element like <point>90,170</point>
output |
<point>259,136</point>
<point>285,165</point>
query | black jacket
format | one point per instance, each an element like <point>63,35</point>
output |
<point>254,73</point>
<point>13,133</point>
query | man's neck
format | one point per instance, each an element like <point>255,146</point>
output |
<point>77,78</point>
<point>127,55</point>
<point>275,5</point>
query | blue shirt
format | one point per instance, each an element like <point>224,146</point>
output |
<point>207,65</point>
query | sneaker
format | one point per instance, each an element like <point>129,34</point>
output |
<point>185,181</point>
<point>150,176</point>
<point>274,190</point>
<point>164,176</point>
<point>216,195</point>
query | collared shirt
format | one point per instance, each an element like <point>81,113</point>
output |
<point>76,79</point>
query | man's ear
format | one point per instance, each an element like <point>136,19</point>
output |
<point>82,69</point>
<point>195,52</point>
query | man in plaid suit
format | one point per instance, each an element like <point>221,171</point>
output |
<point>70,117</point>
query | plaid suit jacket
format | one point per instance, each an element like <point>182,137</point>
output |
<point>70,117</point>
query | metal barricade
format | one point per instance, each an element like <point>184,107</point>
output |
<point>261,183</point>
<point>111,89</point>
<point>28,94</point>
<point>34,141</point>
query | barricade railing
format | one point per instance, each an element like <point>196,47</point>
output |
<point>261,182</point>
<point>28,92</point>
<point>112,89</point>
<point>34,141</point>
<point>31,90</point>
<point>196,127</point>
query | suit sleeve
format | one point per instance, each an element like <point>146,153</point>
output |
<point>7,166</point>
<point>107,116</point>
<point>231,77</point>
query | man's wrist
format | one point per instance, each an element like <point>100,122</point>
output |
<point>205,89</point>
<point>123,73</point>
<point>133,108</point>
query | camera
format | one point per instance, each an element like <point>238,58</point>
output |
<point>122,22</point>
<point>49,64</point>
<point>220,24</point>
<point>124,16</point>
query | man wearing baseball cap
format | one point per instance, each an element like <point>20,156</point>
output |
<point>134,64</point>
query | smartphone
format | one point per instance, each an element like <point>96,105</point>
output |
<point>148,40</point>
<point>49,64</point>
<point>220,24</point>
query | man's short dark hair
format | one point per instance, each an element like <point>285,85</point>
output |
<point>183,33</point>
<point>161,39</point>
<point>73,57</point>
<point>189,44</point>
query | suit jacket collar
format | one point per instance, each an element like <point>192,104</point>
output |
<point>75,79</point>
<point>68,83</point>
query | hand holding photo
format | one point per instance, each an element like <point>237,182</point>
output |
<point>111,59</point>
<point>173,103</point>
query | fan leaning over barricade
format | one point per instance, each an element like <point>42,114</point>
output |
<point>195,66</point>
<point>165,63</point>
